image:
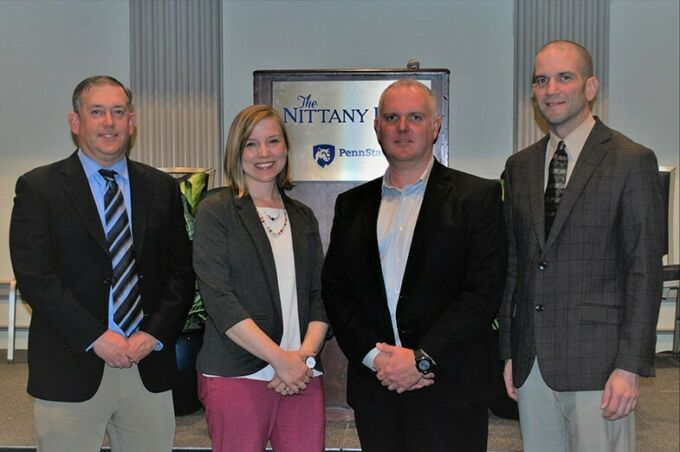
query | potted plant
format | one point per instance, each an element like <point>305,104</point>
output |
<point>192,185</point>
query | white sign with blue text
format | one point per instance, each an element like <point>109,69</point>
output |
<point>330,128</point>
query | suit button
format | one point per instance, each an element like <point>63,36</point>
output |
<point>539,307</point>
<point>107,281</point>
<point>542,266</point>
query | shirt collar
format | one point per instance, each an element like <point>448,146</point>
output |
<point>576,139</point>
<point>422,180</point>
<point>92,167</point>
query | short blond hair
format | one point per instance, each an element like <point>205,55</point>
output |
<point>239,132</point>
<point>412,83</point>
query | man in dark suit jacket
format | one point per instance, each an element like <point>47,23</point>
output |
<point>89,369</point>
<point>412,280</point>
<point>582,296</point>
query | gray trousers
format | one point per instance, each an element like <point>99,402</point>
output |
<point>135,419</point>
<point>569,421</point>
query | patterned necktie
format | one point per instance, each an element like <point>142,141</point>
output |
<point>127,306</point>
<point>557,181</point>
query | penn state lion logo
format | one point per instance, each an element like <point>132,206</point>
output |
<point>324,154</point>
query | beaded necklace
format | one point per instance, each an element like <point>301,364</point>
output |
<point>264,216</point>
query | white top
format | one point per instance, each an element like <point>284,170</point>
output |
<point>282,248</point>
<point>284,260</point>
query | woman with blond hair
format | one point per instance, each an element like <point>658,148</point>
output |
<point>258,257</point>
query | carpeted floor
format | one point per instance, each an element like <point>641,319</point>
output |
<point>658,416</point>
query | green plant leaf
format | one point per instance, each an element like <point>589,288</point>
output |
<point>193,187</point>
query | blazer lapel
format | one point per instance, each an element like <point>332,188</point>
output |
<point>365,242</point>
<point>139,192</point>
<point>369,226</point>
<point>536,181</point>
<point>435,193</point>
<point>301,247</point>
<point>251,221</point>
<point>78,189</point>
<point>591,155</point>
<point>368,213</point>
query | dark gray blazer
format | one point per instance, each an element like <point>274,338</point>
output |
<point>237,278</point>
<point>585,299</point>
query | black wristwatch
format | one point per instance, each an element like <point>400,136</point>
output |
<point>424,362</point>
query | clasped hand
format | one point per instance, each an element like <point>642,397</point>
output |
<point>396,369</point>
<point>292,374</point>
<point>119,351</point>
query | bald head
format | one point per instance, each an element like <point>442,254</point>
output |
<point>585,61</point>
<point>561,86</point>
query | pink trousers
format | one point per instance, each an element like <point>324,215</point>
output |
<point>242,414</point>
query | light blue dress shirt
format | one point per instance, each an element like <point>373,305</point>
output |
<point>98,188</point>
<point>399,209</point>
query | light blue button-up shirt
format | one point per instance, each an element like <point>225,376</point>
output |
<point>399,209</point>
<point>98,188</point>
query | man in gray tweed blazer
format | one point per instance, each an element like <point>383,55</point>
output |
<point>584,214</point>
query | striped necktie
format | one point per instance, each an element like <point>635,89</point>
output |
<point>127,306</point>
<point>557,182</point>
